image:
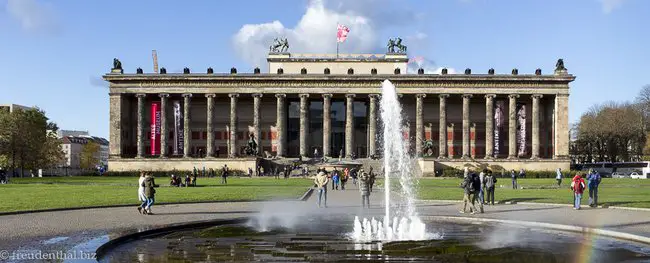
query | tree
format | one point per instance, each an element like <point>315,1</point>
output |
<point>24,142</point>
<point>89,155</point>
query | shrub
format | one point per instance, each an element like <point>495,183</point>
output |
<point>176,172</point>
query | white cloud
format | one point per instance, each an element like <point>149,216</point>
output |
<point>429,67</point>
<point>34,16</point>
<point>316,30</point>
<point>610,5</point>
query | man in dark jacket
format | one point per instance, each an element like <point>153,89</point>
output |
<point>364,188</point>
<point>468,188</point>
<point>225,172</point>
<point>476,189</point>
<point>490,183</point>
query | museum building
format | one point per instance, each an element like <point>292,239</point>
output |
<point>313,105</point>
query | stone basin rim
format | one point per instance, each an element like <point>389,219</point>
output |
<point>138,235</point>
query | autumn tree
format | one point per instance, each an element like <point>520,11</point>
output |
<point>88,157</point>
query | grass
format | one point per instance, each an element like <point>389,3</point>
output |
<point>614,192</point>
<point>70,192</point>
<point>24,194</point>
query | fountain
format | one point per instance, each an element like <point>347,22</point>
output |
<point>397,163</point>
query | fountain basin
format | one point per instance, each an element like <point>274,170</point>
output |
<point>329,239</point>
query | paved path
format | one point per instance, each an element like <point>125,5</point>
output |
<point>36,230</point>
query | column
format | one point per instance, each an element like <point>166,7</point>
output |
<point>489,126</point>
<point>233,125</point>
<point>535,142</point>
<point>442,139</point>
<point>209,151</point>
<point>349,125</point>
<point>257,103</point>
<point>186,125</point>
<point>304,124</point>
<point>327,124</point>
<point>163,124</point>
<point>512,126</point>
<point>419,124</point>
<point>115,131</point>
<point>372,125</point>
<point>561,148</point>
<point>140,129</point>
<point>466,146</point>
<point>280,123</point>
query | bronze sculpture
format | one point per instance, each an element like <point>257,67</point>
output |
<point>279,45</point>
<point>186,71</point>
<point>395,43</point>
<point>559,66</point>
<point>251,147</point>
<point>117,64</point>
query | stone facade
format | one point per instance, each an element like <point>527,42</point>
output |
<point>299,112</point>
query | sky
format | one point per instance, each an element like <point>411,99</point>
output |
<point>53,53</point>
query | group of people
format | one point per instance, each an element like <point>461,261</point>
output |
<point>364,179</point>
<point>578,186</point>
<point>146,193</point>
<point>190,180</point>
<point>476,188</point>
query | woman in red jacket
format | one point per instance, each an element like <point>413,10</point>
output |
<point>578,187</point>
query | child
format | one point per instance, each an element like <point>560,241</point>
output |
<point>578,187</point>
<point>335,181</point>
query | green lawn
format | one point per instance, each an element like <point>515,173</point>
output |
<point>67,192</point>
<point>615,192</point>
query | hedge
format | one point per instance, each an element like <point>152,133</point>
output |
<point>453,172</point>
<point>217,173</point>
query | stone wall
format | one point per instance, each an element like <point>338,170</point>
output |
<point>155,164</point>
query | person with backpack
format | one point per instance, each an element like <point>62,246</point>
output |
<point>490,183</point>
<point>469,189</point>
<point>476,190</point>
<point>578,187</point>
<point>594,181</point>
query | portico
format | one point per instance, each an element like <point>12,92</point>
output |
<point>313,102</point>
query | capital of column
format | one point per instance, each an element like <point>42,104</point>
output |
<point>210,95</point>
<point>257,95</point>
<point>187,95</point>
<point>303,95</point>
<point>233,95</point>
<point>421,96</point>
<point>513,96</point>
<point>373,96</point>
<point>350,95</point>
<point>490,96</point>
<point>537,96</point>
<point>327,95</point>
<point>443,96</point>
<point>140,95</point>
<point>163,95</point>
<point>467,96</point>
<point>280,95</point>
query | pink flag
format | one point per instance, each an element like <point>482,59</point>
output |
<point>342,33</point>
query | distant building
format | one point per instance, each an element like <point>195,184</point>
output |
<point>12,107</point>
<point>72,146</point>
<point>62,133</point>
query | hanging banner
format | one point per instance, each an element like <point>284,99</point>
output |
<point>498,125</point>
<point>521,129</point>
<point>155,128</point>
<point>178,129</point>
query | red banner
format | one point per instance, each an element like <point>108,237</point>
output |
<point>155,128</point>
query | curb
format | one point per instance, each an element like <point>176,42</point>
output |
<point>307,194</point>
<point>577,229</point>
<point>605,206</point>
<point>111,244</point>
<point>130,205</point>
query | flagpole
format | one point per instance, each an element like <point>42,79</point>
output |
<point>337,40</point>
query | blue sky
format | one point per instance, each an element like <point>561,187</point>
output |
<point>52,53</point>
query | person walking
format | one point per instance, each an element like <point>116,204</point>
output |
<point>513,175</point>
<point>141,196</point>
<point>490,183</point>
<point>250,172</point>
<point>481,193</point>
<point>578,187</point>
<point>373,178</point>
<point>468,189</point>
<point>594,181</point>
<point>558,177</point>
<point>225,172</point>
<point>335,180</point>
<point>476,187</point>
<point>364,188</point>
<point>149,192</point>
<point>344,178</point>
<point>321,182</point>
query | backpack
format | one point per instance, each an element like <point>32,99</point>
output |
<point>490,181</point>
<point>476,183</point>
